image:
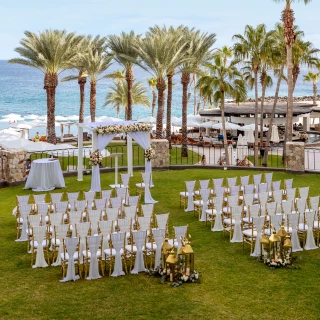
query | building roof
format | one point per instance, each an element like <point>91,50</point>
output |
<point>247,108</point>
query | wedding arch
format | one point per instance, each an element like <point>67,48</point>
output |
<point>104,132</point>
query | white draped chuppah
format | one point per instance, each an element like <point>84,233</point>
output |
<point>100,141</point>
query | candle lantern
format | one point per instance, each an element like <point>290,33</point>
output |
<point>166,248</point>
<point>282,234</point>
<point>274,239</point>
<point>189,258</point>
<point>182,258</point>
<point>287,248</point>
<point>171,263</point>
<point>264,245</point>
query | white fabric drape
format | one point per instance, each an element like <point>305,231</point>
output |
<point>293,220</point>
<point>218,226</point>
<point>39,235</point>
<point>95,179</point>
<point>82,232</point>
<point>190,188</point>
<point>237,234</point>
<point>94,244</point>
<point>71,245</point>
<point>180,232</point>
<point>204,196</point>
<point>258,223</point>
<point>118,242</point>
<point>61,233</point>
<point>139,240</point>
<point>310,244</point>
<point>24,233</point>
<point>104,140</point>
<point>158,235</point>
<point>147,195</point>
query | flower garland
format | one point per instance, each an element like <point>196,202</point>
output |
<point>149,154</point>
<point>118,128</point>
<point>95,158</point>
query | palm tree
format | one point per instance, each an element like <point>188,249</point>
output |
<point>223,80</point>
<point>199,53</point>
<point>96,62</point>
<point>118,95</point>
<point>254,45</point>
<point>313,78</point>
<point>152,84</point>
<point>78,64</point>
<point>289,35</point>
<point>50,51</point>
<point>122,49</point>
<point>159,54</point>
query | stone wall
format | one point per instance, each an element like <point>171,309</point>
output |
<point>14,165</point>
<point>295,156</point>
<point>161,147</point>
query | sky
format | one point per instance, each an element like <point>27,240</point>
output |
<point>104,17</point>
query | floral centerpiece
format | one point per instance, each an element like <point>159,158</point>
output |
<point>95,158</point>
<point>117,128</point>
<point>277,262</point>
<point>149,154</point>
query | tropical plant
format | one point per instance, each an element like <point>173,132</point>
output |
<point>313,78</point>
<point>49,51</point>
<point>289,35</point>
<point>117,97</point>
<point>198,52</point>
<point>122,50</point>
<point>152,82</point>
<point>255,45</point>
<point>223,80</point>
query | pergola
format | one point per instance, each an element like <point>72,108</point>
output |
<point>104,132</point>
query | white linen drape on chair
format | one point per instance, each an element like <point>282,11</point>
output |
<point>190,188</point>
<point>94,244</point>
<point>71,245</point>
<point>139,240</point>
<point>61,232</point>
<point>218,226</point>
<point>237,234</point>
<point>293,220</point>
<point>180,232</point>
<point>118,242</point>
<point>95,179</point>
<point>258,223</point>
<point>147,195</point>
<point>158,235</point>
<point>310,244</point>
<point>39,235</point>
<point>204,196</point>
<point>24,233</point>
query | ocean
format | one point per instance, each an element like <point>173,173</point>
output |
<point>21,92</point>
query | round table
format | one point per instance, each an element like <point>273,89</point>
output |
<point>45,175</point>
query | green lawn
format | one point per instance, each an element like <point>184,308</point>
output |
<point>234,285</point>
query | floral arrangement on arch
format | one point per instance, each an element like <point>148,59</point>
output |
<point>95,158</point>
<point>149,154</point>
<point>118,128</point>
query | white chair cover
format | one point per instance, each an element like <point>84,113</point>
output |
<point>39,234</point>
<point>162,220</point>
<point>258,223</point>
<point>95,179</point>
<point>293,220</point>
<point>139,240</point>
<point>118,242</point>
<point>147,195</point>
<point>190,188</point>
<point>24,233</point>
<point>82,232</point>
<point>218,226</point>
<point>204,196</point>
<point>158,235</point>
<point>93,245</point>
<point>180,232</point>
<point>71,245</point>
<point>310,243</point>
<point>237,233</point>
<point>61,233</point>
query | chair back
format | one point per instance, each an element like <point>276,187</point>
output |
<point>234,190</point>
<point>121,192</point>
<point>287,207</point>
<point>94,216</point>
<point>263,197</point>
<point>106,194</point>
<point>204,184</point>
<point>55,218</point>
<point>244,180</point>
<point>134,200</point>
<point>162,220</point>
<point>219,192</point>
<point>39,198</point>
<point>254,210</point>
<point>232,201</point>
<point>82,229</point>
<point>304,192</point>
<point>288,183</point>
<point>257,179</point>
<point>75,217</point>
<point>276,185</point>
<point>248,199</point>
<point>144,223</point>
<point>291,194</point>
<point>22,200</point>
<point>60,206</point>
<point>125,225</point>
<point>72,196</point>
<point>263,187</point>
<point>147,209</point>
<point>217,183</point>
<point>116,202</point>
<point>277,196</point>
<point>81,205</point>
<point>268,178</point>
<point>89,196</point>
<point>34,220</point>
<point>249,189</point>
<point>271,208</point>
<point>56,197</point>
<point>231,181</point>
<point>130,212</point>
<point>112,213</point>
<point>100,204</point>
<point>314,203</point>
<point>125,178</point>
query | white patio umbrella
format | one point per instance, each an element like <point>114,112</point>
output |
<point>275,134</point>
<point>250,136</point>
<point>73,118</point>
<point>15,144</point>
<point>11,119</point>
<point>252,127</point>
<point>31,117</point>
<point>11,132</point>
<point>61,118</point>
<point>149,120</point>
<point>7,137</point>
<point>106,119</point>
<point>229,126</point>
<point>22,125</point>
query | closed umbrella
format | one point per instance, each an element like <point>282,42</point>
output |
<point>275,134</point>
<point>250,136</point>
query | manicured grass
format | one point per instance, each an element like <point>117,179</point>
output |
<point>234,285</point>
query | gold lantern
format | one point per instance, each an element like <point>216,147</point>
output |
<point>274,239</point>
<point>166,248</point>
<point>182,257</point>
<point>264,244</point>
<point>189,258</point>
<point>171,263</point>
<point>282,234</point>
<point>287,247</point>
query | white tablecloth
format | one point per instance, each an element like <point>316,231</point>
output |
<point>45,175</point>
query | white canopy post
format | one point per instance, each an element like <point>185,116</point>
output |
<point>129,155</point>
<point>80,153</point>
<point>94,140</point>
<point>61,130</point>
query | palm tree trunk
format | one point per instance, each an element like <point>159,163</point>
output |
<point>154,99</point>
<point>50,84</point>
<point>194,93</point>
<point>265,158</point>
<point>314,93</point>
<point>224,132</point>
<point>93,100</point>
<point>263,94</point>
<point>130,79</point>
<point>256,133</point>
<point>185,80</point>
<point>295,75</point>
<point>161,87</point>
<point>82,82</point>
<point>118,111</point>
<point>169,102</point>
